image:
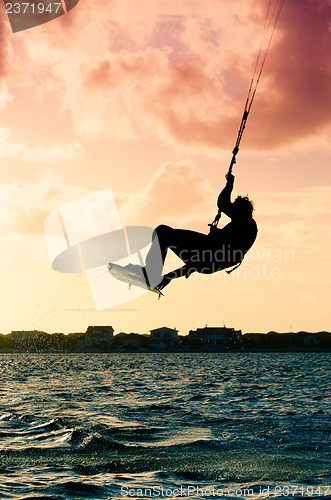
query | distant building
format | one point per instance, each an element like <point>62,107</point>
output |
<point>215,338</point>
<point>23,337</point>
<point>304,340</point>
<point>130,342</point>
<point>163,338</point>
<point>99,337</point>
<point>311,339</point>
<point>275,340</point>
<point>286,341</point>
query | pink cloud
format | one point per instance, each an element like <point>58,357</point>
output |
<point>24,206</point>
<point>52,153</point>
<point>296,103</point>
<point>176,98</point>
<point>194,96</point>
<point>181,72</point>
<point>177,195</point>
<point>4,44</point>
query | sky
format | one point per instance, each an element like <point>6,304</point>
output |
<point>146,98</point>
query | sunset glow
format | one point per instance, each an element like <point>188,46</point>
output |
<point>145,98</point>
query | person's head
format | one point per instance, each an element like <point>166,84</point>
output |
<point>243,206</point>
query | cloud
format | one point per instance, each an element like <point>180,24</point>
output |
<point>177,195</point>
<point>307,203</point>
<point>5,96</point>
<point>181,71</point>
<point>294,104</point>
<point>46,154</point>
<point>297,219</point>
<point>5,58</point>
<point>180,196</point>
<point>24,206</point>
<point>4,44</point>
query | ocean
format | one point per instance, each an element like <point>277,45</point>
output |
<point>165,425</point>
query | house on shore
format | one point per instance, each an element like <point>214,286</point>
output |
<point>130,342</point>
<point>215,338</point>
<point>25,338</point>
<point>98,337</point>
<point>163,338</point>
<point>290,341</point>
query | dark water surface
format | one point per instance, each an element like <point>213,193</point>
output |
<point>98,426</point>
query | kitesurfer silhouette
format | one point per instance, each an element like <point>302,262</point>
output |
<point>203,253</point>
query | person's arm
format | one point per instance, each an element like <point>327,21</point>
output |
<point>224,199</point>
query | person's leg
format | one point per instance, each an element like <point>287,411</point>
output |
<point>177,273</point>
<point>157,254</point>
<point>189,246</point>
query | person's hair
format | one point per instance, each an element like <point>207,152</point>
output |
<point>245,205</point>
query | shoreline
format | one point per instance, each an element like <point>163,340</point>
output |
<point>165,351</point>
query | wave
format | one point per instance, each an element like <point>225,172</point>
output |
<point>95,486</point>
<point>104,433</point>
<point>107,421</point>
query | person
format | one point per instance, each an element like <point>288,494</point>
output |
<point>203,253</point>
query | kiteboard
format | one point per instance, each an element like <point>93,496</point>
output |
<point>132,278</point>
